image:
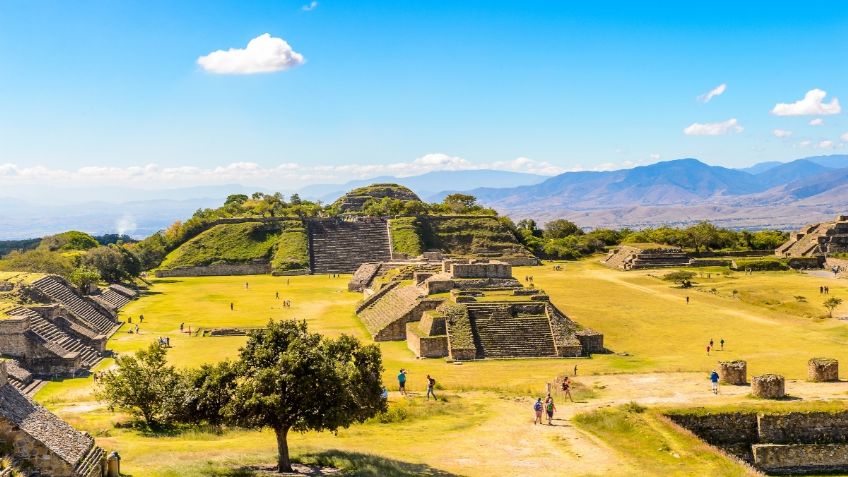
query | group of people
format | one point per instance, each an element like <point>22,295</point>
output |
<point>528,278</point>
<point>711,345</point>
<point>164,341</point>
<point>548,408</point>
<point>824,290</point>
<point>431,384</point>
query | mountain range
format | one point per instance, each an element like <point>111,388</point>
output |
<point>782,195</point>
<point>679,192</point>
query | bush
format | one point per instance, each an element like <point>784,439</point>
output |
<point>760,264</point>
<point>406,238</point>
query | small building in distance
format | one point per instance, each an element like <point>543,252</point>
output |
<point>641,256</point>
<point>817,240</point>
<point>465,310</point>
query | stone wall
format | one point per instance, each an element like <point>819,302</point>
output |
<point>721,429</point>
<point>804,427</point>
<point>796,459</point>
<point>591,341</point>
<point>219,269</point>
<point>12,339</point>
<point>481,270</point>
<point>425,346</point>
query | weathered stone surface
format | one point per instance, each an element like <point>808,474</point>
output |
<point>823,370</point>
<point>218,269</point>
<point>481,270</point>
<point>629,257</point>
<point>733,372</point>
<point>768,386</point>
<point>788,459</point>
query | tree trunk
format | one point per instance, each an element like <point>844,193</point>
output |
<point>283,462</point>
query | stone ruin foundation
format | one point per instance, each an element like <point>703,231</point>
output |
<point>733,372</point>
<point>768,386</point>
<point>822,370</point>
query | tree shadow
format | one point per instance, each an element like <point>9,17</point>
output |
<point>369,465</point>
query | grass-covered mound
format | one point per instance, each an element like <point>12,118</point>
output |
<point>282,244</point>
<point>406,236</point>
<point>468,235</point>
<point>355,200</point>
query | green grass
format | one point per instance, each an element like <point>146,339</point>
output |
<point>406,238</point>
<point>229,243</point>
<point>292,252</point>
<point>654,448</point>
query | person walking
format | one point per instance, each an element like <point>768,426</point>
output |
<point>538,408</point>
<point>708,350</point>
<point>550,409</point>
<point>182,325</point>
<point>714,381</point>
<point>431,385</point>
<point>231,306</point>
<point>687,300</point>
<point>566,388</point>
<point>402,381</point>
<point>711,343</point>
<point>721,342</point>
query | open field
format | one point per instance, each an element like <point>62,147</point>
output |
<point>486,416</point>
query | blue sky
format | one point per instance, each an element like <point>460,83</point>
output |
<point>112,91</point>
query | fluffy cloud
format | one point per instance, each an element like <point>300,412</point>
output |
<point>309,6</point>
<point>844,137</point>
<point>825,145</point>
<point>263,54</point>
<point>654,157</point>
<point>816,122</point>
<point>713,129</point>
<point>717,91</point>
<point>250,173</point>
<point>781,133</point>
<point>812,105</point>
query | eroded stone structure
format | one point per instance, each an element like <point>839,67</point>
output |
<point>817,240</point>
<point>635,257</point>
<point>768,386</point>
<point>467,310</point>
<point>790,443</point>
<point>822,370</point>
<point>733,372</point>
<point>43,443</point>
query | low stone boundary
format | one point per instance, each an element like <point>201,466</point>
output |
<point>793,459</point>
<point>219,269</point>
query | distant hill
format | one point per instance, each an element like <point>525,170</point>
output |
<point>429,184</point>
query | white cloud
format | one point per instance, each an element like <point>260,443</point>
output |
<point>263,54</point>
<point>713,129</point>
<point>811,105</point>
<point>844,137</point>
<point>816,122</point>
<point>654,157</point>
<point>805,143</point>
<point>825,145</point>
<point>781,133</point>
<point>152,176</point>
<point>717,91</point>
<point>309,6</point>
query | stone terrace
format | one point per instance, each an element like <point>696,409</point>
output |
<point>499,332</point>
<point>85,311</point>
<point>817,239</point>
<point>49,332</point>
<point>341,246</point>
<point>634,257</point>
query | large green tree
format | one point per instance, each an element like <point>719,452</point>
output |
<point>293,380</point>
<point>142,384</point>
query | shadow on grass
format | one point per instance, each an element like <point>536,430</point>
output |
<point>352,464</point>
<point>368,465</point>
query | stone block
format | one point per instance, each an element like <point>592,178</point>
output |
<point>733,372</point>
<point>822,370</point>
<point>768,386</point>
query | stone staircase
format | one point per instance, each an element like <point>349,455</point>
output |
<point>84,310</point>
<point>340,246</point>
<point>91,461</point>
<point>114,298</point>
<point>804,245</point>
<point>22,379</point>
<point>394,305</point>
<point>500,334</point>
<point>50,332</point>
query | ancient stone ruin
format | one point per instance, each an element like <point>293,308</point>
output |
<point>50,329</point>
<point>341,245</point>
<point>37,440</point>
<point>768,386</point>
<point>733,372</point>
<point>793,443</point>
<point>467,310</point>
<point>817,240</point>
<point>636,257</point>
<point>823,370</point>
